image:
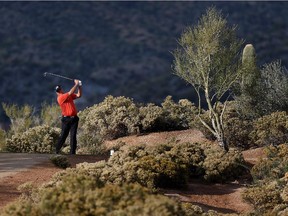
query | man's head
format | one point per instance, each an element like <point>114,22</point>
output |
<point>58,89</point>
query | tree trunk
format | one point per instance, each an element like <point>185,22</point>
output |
<point>222,141</point>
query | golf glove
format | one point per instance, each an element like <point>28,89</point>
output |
<point>80,83</point>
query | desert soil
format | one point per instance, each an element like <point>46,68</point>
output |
<point>225,198</point>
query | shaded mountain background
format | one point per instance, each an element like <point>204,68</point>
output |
<point>117,48</point>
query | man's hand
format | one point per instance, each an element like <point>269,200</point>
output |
<point>76,82</point>
<point>73,89</point>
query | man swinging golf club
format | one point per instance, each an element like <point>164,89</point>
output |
<point>69,118</point>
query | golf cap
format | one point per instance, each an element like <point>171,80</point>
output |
<point>57,88</point>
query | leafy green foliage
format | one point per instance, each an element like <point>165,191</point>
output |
<point>39,139</point>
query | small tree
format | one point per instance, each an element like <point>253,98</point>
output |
<point>208,59</point>
<point>21,117</point>
<point>274,86</point>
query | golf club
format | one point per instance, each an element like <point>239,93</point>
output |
<point>57,75</point>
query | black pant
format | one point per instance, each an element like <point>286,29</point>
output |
<point>69,124</point>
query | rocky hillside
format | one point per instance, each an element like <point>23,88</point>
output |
<point>118,48</point>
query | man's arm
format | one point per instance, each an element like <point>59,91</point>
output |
<point>73,89</point>
<point>79,93</point>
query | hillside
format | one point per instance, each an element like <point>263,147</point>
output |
<point>118,48</point>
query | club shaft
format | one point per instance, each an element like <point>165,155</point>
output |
<point>57,75</point>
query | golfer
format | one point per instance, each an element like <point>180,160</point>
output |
<point>69,115</point>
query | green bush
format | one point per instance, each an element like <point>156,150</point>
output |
<point>40,139</point>
<point>178,115</point>
<point>60,161</point>
<point>274,166</point>
<point>265,197</point>
<point>51,115</point>
<point>237,128</point>
<point>194,210</point>
<point>190,155</point>
<point>166,165</point>
<point>221,166</point>
<point>2,140</point>
<point>269,193</point>
<point>270,129</point>
<point>21,117</point>
<point>170,165</point>
<point>161,171</point>
<point>120,116</point>
<point>152,118</point>
<point>114,117</point>
<point>78,198</point>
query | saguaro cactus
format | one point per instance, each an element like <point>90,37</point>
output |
<point>250,71</point>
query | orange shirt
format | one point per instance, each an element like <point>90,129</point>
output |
<point>67,104</point>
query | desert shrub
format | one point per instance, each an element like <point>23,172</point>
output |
<point>237,132</point>
<point>264,197</point>
<point>50,114</point>
<point>161,172</point>
<point>170,165</point>
<point>2,140</point>
<point>40,139</point>
<point>60,161</point>
<point>95,147</point>
<point>270,129</point>
<point>21,117</point>
<point>269,169</point>
<point>194,210</point>
<point>85,199</point>
<point>237,128</point>
<point>269,194</point>
<point>152,118</point>
<point>178,115</point>
<point>151,166</point>
<point>221,166</point>
<point>84,172</point>
<point>274,81</point>
<point>189,154</point>
<point>274,166</point>
<point>110,119</point>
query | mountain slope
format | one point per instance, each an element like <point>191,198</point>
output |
<point>118,48</point>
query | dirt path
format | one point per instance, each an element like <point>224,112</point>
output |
<point>37,175</point>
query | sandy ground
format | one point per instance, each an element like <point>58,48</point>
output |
<point>225,198</point>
